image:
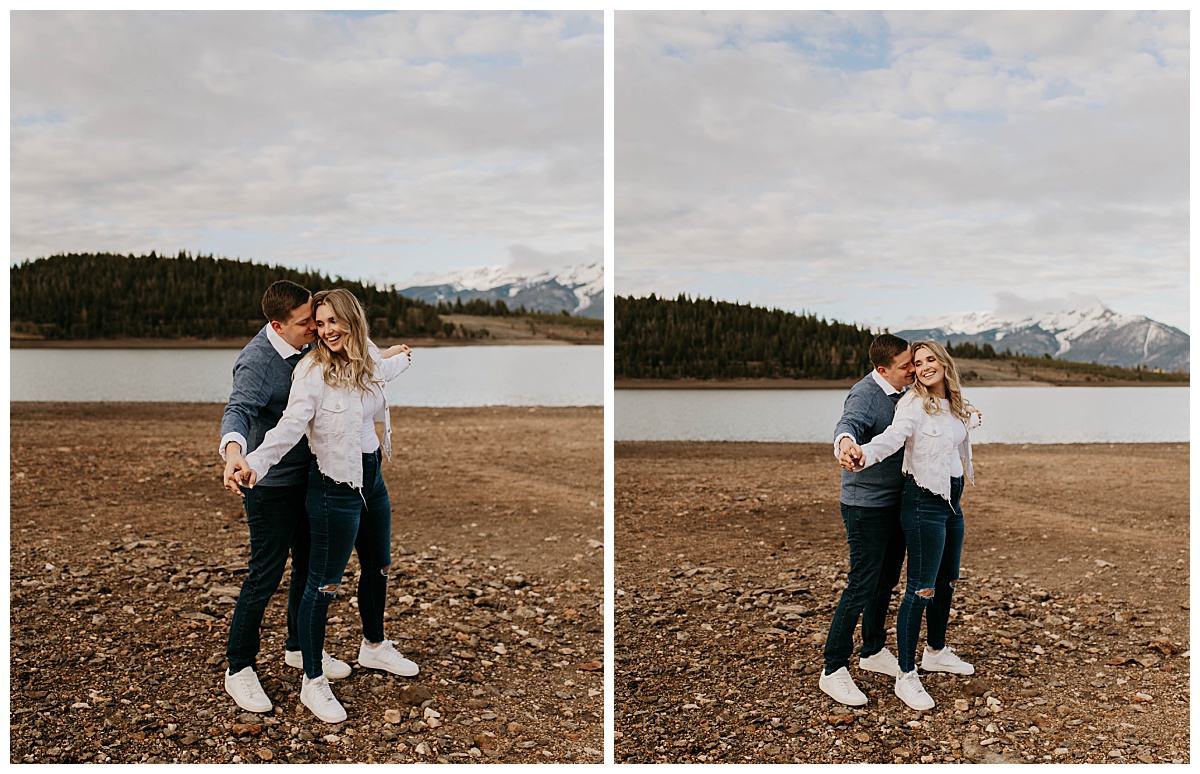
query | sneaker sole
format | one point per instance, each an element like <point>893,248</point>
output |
<point>255,710</point>
<point>841,701</point>
<point>922,708</point>
<point>949,670</point>
<point>333,721</point>
<point>327,673</point>
<point>389,670</point>
<point>893,672</point>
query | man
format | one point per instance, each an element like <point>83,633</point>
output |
<point>870,502</point>
<point>275,511</point>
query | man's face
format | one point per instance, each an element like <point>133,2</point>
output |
<point>900,373</point>
<point>300,328</point>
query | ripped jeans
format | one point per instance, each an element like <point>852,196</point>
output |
<point>341,519</point>
<point>933,536</point>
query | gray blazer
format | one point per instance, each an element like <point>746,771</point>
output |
<point>868,411</point>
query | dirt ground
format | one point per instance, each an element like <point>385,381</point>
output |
<point>1073,606</point>
<point>127,555</point>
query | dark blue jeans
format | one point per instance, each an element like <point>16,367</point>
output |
<point>278,525</point>
<point>933,531</point>
<point>341,519</point>
<point>876,553</point>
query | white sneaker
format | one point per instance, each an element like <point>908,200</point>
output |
<point>387,658</point>
<point>246,691</point>
<point>333,668</point>
<point>882,662</point>
<point>841,688</point>
<point>911,692</point>
<point>945,661</point>
<point>318,697</point>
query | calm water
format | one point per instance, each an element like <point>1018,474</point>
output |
<point>1011,414</point>
<point>446,376</point>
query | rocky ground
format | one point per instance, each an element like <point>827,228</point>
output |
<point>1073,606</point>
<point>127,555</point>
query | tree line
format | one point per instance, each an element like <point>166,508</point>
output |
<point>660,338</point>
<point>106,296</point>
<point>685,338</point>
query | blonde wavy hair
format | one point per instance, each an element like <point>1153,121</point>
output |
<point>959,407</point>
<point>352,367</point>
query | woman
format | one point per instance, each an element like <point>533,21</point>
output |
<point>335,399</point>
<point>932,423</point>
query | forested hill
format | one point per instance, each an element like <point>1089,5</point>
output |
<point>657,338</point>
<point>104,296</point>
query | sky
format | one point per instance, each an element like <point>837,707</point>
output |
<point>390,147</point>
<point>898,167</point>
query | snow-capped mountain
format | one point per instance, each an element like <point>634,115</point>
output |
<point>1092,334</point>
<point>577,289</point>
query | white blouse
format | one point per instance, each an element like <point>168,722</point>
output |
<point>937,447</point>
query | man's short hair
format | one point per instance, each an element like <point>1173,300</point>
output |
<point>884,349</point>
<point>281,298</point>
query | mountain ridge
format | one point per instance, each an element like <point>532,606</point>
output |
<point>577,289</point>
<point>1091,333</point>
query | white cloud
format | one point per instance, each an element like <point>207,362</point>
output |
<point>962,153</point>
<point>404,139</point>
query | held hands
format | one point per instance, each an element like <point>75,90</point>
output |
<point>245,477</point>
<point>236,469</point>
<point>851,458</point>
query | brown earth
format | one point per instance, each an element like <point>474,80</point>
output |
<point>126,555</point>
<point>1073,606</point>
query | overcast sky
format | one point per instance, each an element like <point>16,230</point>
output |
<point>884,168</point>
<point>389,146</point>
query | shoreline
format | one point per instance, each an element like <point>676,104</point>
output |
<point>424,343</point>
<point>845,384</point>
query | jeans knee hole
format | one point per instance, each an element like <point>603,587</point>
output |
<point>926,593</point>
<point>329,590</point>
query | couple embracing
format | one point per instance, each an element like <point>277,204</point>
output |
<point>307,391</point>
<point>904,443</point>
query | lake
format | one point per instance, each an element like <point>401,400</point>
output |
<point>1011,414</point>
<point>440,376</point>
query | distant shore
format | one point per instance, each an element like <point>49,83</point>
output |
<point>845,384</point>
<point>976,373</point>
<point>423,343</point>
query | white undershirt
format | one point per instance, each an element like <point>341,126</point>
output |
<point>958,434</point>
<point>372,401</point>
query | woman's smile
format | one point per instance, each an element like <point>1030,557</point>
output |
<point>329,328</point>
<point>928,369</point>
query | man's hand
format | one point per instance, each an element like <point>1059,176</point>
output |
<point>852,458</point>
<point>399,349</point>
<point>235,463</point>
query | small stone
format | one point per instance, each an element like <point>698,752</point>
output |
<point>392,716</point>
<point>962,705</point>
<point>265,754</point>
<point>415,695</point>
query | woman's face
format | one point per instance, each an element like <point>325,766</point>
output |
<point>929,371</point>
<point>331,330</point>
